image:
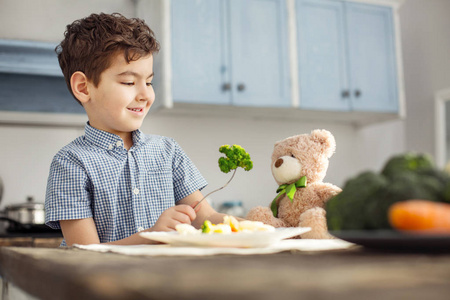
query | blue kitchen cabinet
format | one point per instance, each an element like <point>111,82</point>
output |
<point>199,57</point>
<point>230,52</point>
<point>346,56</point>
<point>372,65</point>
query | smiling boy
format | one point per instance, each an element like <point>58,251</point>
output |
<point>114,181</point>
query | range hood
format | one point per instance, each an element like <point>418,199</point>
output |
<point>30,58</point>
<point>33,89</point>
<point>32,86</point>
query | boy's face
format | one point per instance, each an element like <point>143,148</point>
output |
<point>123,97</point>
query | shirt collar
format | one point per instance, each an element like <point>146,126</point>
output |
<point>109,141</point>
<point>138,138</point>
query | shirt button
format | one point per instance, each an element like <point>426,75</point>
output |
<point>119,143</point>
<point>140,229</point>
<point>110,147</point>
<point>136,191</point>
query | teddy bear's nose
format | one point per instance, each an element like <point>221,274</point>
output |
<point>278,163</point>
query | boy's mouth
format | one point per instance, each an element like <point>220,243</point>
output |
<point>136,109</point>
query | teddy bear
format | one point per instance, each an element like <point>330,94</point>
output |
<point>299,165</point>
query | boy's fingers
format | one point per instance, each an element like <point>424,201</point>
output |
<point>193,205</point>
<point>182,218</point>
<point>186,209</point>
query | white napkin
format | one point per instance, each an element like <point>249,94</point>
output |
<point>167,250</point>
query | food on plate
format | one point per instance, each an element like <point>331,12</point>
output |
<point>187,229</point>
<point>229,225</point>
<point>208,227</point>
<point>365,199</point>
<point>422,215</point>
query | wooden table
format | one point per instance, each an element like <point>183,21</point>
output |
<point>51,242</point>
<point>348,274</point>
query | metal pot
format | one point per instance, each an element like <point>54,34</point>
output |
<point>29,213</point>
<point>28,217</point>
<point>1,189</point>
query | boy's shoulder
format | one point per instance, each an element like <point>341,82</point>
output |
<point>77,146</point>
<point>158,143</point>
<point>155,140</point>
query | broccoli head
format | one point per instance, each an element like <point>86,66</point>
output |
<point>345,211</point>
<point>407,162</point>
<point>236,156</point>
<point>366,198</point>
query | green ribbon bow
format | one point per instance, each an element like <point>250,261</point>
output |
<point>289,190</point>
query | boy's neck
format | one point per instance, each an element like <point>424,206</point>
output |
<point>128,141</point>
<point>127,138</point>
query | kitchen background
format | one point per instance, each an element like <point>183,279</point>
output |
<point>423,51</point>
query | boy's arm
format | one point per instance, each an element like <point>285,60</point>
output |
<point>84,231</point>
<point>80,231</point>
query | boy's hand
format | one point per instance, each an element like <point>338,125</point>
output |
<point>178,214</point>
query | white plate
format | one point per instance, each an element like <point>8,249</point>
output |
<point>235,240</point>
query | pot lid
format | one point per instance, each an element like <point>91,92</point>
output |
<point>30,204</point>
<point>1,189</point>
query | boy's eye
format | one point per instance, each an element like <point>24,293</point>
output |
<point>128,83</point>
<point>149,83</point>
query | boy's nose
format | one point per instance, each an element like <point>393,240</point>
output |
<point>146,93</point>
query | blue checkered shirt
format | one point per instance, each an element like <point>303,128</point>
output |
<point>123,191</point>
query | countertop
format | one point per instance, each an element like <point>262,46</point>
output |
<point>356,273</point>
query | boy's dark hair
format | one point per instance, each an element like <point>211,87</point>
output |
<point>90,43</point>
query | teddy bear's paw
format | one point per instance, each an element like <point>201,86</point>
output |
<point>315,218</point>
<point>265,215</point>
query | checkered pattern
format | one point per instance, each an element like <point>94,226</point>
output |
<point>95,176</point>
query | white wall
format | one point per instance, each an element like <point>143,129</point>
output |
<point>425,29</point>
<point>46,20</point>
<point>376,143</point>
<point>25,156</point>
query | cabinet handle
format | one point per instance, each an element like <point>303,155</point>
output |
<point>345,94</point>
<point>358,93</point>
<point>226,87</point>
<point>240,87</point>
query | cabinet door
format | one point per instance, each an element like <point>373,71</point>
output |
<point>372,58</point>
<point>259,56</point>
<point>199,55</point>
<point>322,57</point>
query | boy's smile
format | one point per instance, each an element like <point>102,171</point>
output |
<point>122,98</point>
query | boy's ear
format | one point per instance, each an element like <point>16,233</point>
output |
<point>79,84</point>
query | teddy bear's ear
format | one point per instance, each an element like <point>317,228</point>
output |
<point>325,139</point>
<point>277,143</point>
